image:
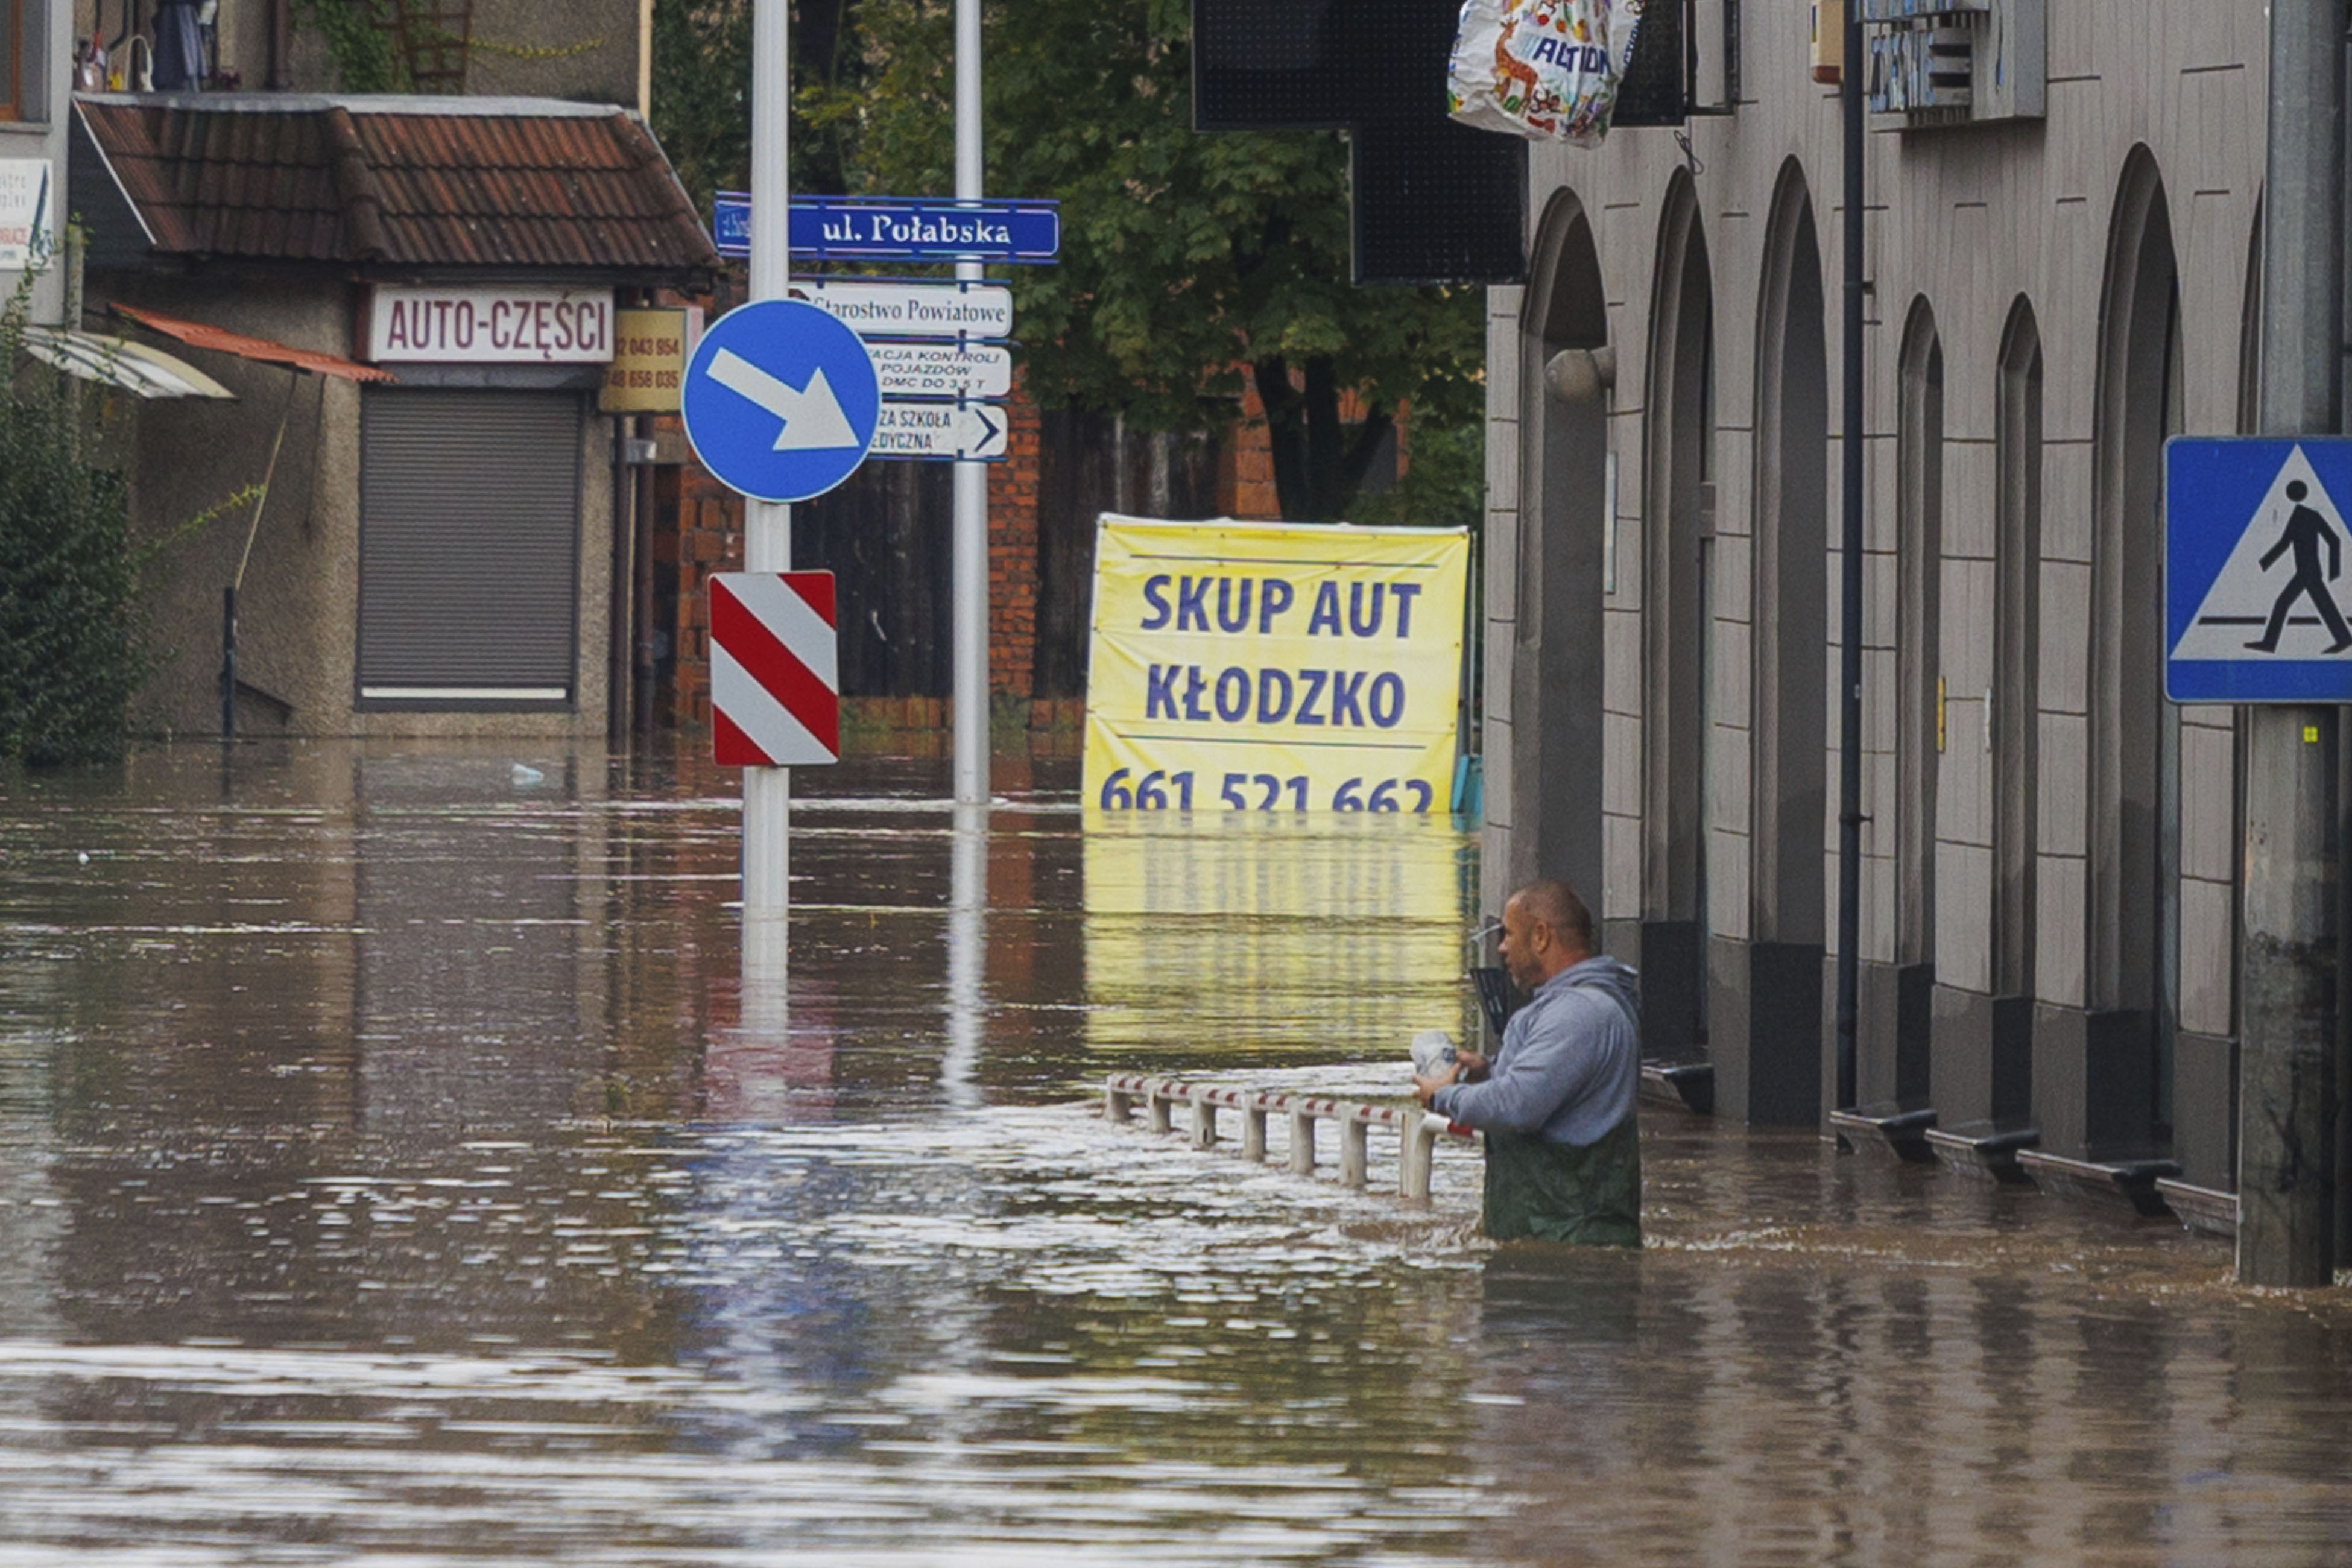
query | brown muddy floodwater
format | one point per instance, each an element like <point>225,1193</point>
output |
<point>394,1170</point>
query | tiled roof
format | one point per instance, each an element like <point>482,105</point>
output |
<point>398,182</point>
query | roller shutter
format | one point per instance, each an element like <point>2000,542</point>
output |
<point>469,531</point>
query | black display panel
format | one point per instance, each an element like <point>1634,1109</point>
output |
<point>1434,202</point>
<point>1273,65</point>
<point>1437,203</point>
<point>1655,89</point>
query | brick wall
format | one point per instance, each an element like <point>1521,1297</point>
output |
<point>1245,458</point>
<point>1246,464</point>
<point>709,539</point>
<point>1012,556</point>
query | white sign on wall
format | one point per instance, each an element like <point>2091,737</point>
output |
<point>488,324</point>
<point>28,220</point>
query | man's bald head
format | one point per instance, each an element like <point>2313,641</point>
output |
<point>1546,928</point>
<point>1555,903</point>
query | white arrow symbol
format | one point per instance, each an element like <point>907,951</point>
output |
<point>812,415</point>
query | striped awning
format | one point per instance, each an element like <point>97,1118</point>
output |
<point>120,362</point>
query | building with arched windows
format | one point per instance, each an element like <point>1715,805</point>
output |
<point>2048,929</point>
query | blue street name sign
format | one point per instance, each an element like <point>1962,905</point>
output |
<point>877,229</point>
<point>2256,549</point>
<point>780,400</point>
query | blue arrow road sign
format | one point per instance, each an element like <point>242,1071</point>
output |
<point>780,400</point>
<point>2257,569</point>
<point>889,228</point>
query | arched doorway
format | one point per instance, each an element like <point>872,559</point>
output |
<point>2107,1081</point>
<point>1555,581</point>
<point>1894,1055</point>
<point>1773,1069</point>
<point>1990,1073</point>
<point>1678,513</point>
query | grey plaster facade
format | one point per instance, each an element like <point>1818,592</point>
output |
<point>297,620</point>
<point>2049,904</point>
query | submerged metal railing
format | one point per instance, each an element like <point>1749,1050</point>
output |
<point>1417,1130</point>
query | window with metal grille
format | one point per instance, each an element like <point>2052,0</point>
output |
<point>469,539</point>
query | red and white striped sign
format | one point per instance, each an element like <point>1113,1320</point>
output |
<point>775,680</point>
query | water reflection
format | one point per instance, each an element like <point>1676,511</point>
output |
<point>967,957</point>
<point>398,1162</point>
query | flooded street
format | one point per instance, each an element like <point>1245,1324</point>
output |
<point>394,1170</point>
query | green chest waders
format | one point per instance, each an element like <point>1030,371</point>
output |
<point>1542,1191</point>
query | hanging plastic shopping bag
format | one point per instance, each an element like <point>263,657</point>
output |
<point>1544,70</point>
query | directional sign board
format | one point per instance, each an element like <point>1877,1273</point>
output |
<point>889,228</point>
<point>780,400</point>
<point>912,310</point>
<point>941,369</point>
<point>971,431</point>
<point>2256,571</point>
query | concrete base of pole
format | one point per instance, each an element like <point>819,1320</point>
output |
<point>2287,1132</point>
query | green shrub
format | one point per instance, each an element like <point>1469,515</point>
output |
<point>73,645</point>
<point>360,40</point>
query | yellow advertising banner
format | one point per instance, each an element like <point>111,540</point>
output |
<point>648,369</point>
<point>1255,666</point>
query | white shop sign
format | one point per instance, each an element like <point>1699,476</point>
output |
<point>484,325</point>
<point>28,219</point>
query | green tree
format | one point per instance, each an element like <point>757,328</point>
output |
<point>1190,263</point>
<point>73,644</point>
<point>1190,257</point>
<point>702,92</point>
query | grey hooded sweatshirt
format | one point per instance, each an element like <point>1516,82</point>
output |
<point>1571,1062</point>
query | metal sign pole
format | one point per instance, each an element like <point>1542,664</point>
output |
<point>2287,965</point>
<point>970,631</point>
<point>768,528</point>
<point>767,525</point>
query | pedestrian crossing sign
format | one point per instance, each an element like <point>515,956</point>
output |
<point>2256,586</point>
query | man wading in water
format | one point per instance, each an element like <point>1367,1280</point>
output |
<point>1563,1156</point>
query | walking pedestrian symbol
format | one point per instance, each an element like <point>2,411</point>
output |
<point>2255,591</point>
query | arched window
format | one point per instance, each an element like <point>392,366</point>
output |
<point>1789,615</point>
<point>1554,707</point>
<point>2016,720</point>
<point>1919,566</point>
<point>1677,509</point>
<point>2132,975</point>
